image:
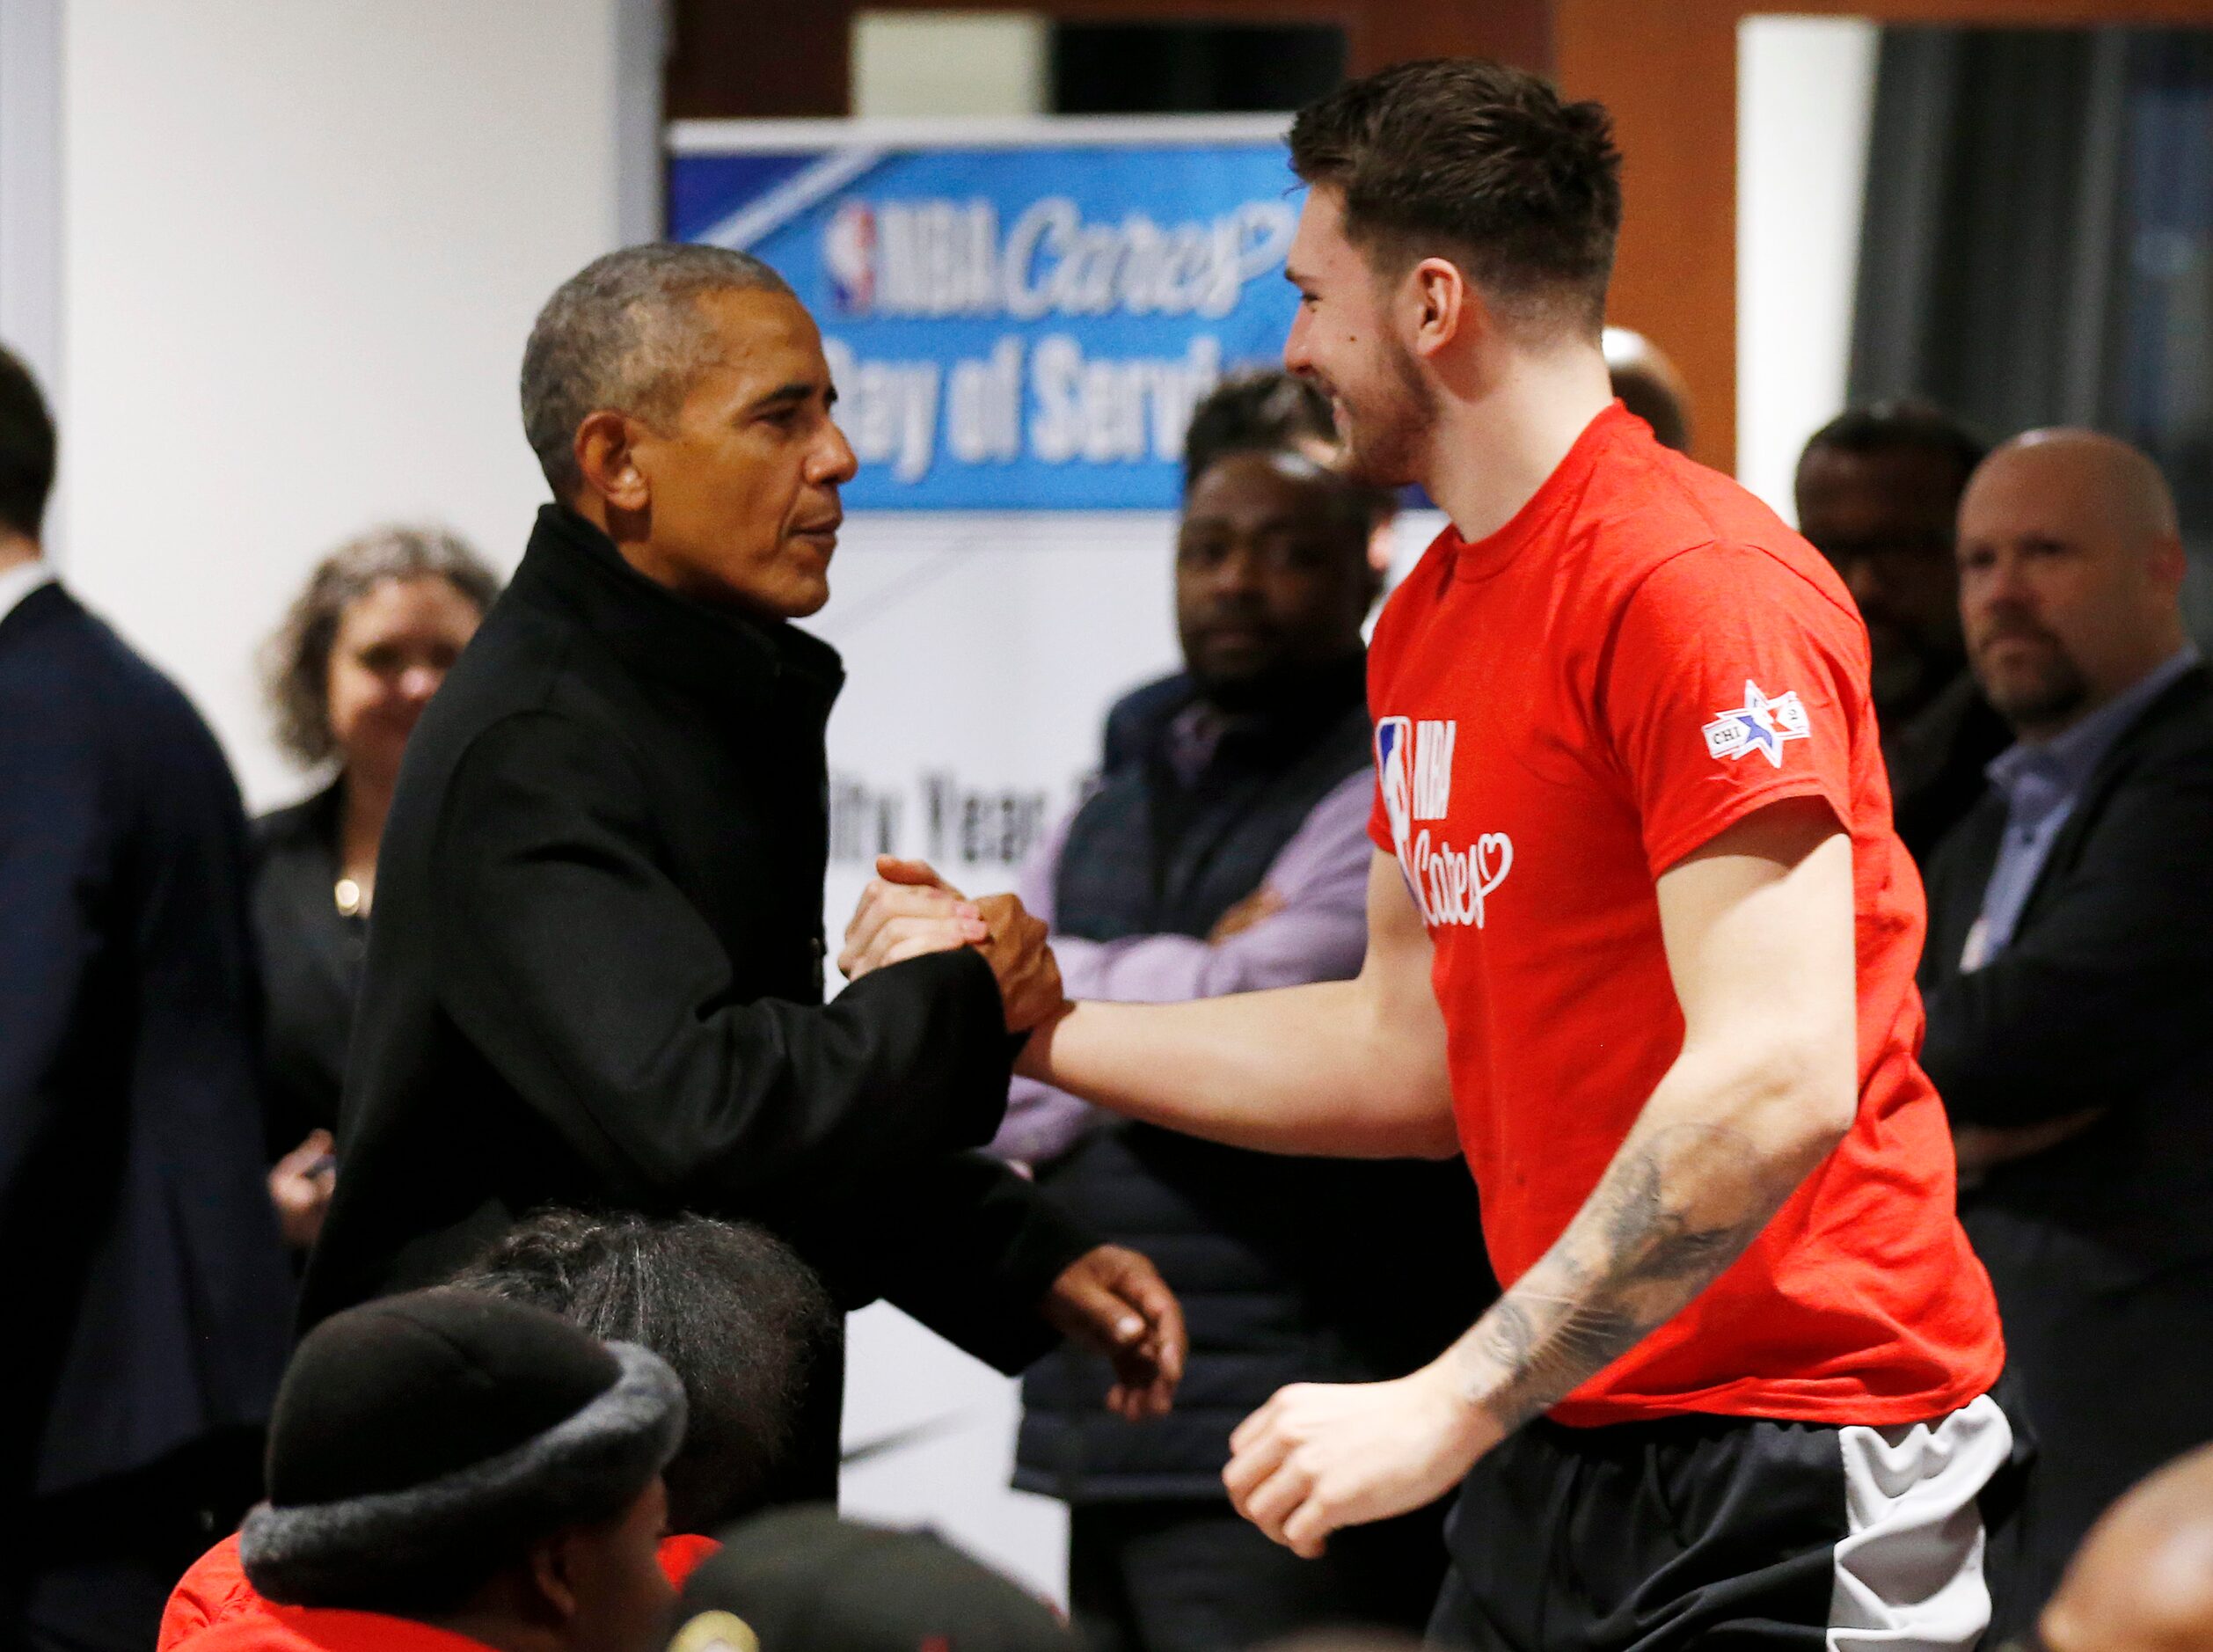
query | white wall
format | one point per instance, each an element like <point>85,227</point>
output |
<point>302,244</point>
<point>1805,95</point>
<point>950,62</point>
<point>31,185</point>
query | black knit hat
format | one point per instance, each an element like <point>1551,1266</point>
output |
<point>802,1580</point>
<point>432,1437</point>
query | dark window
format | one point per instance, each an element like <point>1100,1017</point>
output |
<point>1192,68</point>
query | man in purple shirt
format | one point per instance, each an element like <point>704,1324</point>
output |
<point>1314,897</point>
<point>1225,850</point>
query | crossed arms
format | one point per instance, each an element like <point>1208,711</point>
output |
<point>1764,913</point>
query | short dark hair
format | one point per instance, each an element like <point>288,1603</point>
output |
<point>738,1316</point>
<point>624,333</point>
<point>27,448</point>
<point>1480,162</point>
<point>1269,411</point>
<point>1907,425</point>
<point>295,663</point>
<point>1265,409</point>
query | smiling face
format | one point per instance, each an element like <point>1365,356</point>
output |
<point>741,481</point>
<point>393,648</point>
<point>1343,338</point>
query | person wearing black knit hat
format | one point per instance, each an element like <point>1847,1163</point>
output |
<point>447,1470</point>
<point>802,1580</point>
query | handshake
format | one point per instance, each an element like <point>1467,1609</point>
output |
<point>907,911</point>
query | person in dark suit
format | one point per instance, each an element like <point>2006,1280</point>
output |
<point>363,648</point>
<point>2068,972</point>
<point>144,1293</point>
<point>596,970</point>
<point>1878,494</point>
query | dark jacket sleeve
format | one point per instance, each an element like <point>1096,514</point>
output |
<point>2108,981</point>
<point>979,1248</point>
<point>595,987</point>
<point>53,880</point>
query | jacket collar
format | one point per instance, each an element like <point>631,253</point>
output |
<point>2186,688</point>
<point>572,566</point>
<point>36,601</point>
<point>19,581</point>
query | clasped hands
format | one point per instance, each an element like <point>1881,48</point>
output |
<point>1110,1299</point>
<point>907,911</point>
<point>1316,1457</point>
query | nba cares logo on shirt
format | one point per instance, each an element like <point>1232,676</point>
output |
<point>1764,723</point>
<point>1414,767</point>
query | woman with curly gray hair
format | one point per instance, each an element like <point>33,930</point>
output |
<point>359,653</point>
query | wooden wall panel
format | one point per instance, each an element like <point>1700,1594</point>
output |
<point>1668,74</point>
<point>793,57</point>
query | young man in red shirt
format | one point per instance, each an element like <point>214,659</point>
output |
<point>1642,945</point>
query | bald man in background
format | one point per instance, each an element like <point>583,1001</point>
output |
<point>1649,385</point>
<point>2069,972</point>
<point>2143,1579</point>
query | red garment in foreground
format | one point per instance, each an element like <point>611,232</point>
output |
<point>1643,657</point>
<point>215,1609</point>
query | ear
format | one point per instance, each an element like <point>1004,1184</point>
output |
<point>553,1577</point>
<point>606,460</point>
<point>2169,563</point>
<point>1441,305</point>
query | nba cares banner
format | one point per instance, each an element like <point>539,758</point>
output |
<point>1016,318</point>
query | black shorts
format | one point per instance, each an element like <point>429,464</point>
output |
<point>1722,1532</point>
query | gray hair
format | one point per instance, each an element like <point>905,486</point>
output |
<point>295,664</point>
<point>625,333</point>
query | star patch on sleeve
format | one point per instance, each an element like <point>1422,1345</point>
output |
<point>1764,723</point>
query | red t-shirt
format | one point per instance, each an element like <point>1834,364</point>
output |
<point>1641,658</point>
<point>215,1609</point>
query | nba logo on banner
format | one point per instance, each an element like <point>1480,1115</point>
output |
<point>849,257</point>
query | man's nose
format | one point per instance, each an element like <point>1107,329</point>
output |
<point>1296,355</point>
<point>834,462</point>
<point>1236,571</point>
<point>1998,584</point>
<point>420,682</point>
<point>1864,582</point>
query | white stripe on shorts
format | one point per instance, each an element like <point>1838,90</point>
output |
<point>1910,1577</point>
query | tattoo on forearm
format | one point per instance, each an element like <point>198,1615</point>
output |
<point>1669,1216</point>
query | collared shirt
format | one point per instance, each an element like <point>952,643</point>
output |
<point>2041,783</point>
<point>19,581</point>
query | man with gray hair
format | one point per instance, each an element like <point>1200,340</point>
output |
<point>595,977</point>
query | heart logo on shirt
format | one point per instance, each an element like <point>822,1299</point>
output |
<point>1490,846</point>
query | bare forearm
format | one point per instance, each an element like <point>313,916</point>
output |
<point>1301,1069</point>
<point>1689,1191</point>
